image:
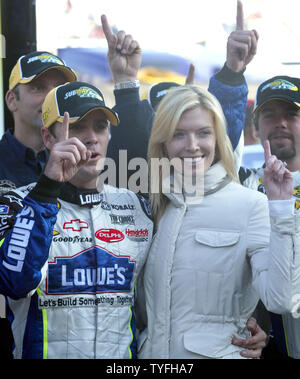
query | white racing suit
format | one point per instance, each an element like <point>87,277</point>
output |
<point>76,300</point>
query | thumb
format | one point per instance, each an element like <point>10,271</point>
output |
<point>251,325</point>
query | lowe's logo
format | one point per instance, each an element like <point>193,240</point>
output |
<point>95,270</point>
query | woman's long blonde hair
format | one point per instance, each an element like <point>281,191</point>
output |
<point>168,114</point>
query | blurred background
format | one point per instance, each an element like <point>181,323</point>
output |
<point>172,34</point>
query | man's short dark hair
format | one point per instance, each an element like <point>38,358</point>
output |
<point>16,92</point>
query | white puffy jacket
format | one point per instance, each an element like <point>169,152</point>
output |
<point>208,265</point>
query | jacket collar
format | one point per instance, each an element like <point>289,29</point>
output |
<point>83,197</point>
<point>214,179</point>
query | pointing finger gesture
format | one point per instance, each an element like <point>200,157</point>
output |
<point>67,155</point>
<point>241,44</point>
<point>278,181</point>
<point>63,132</point>
<point>239,16</point>
<point>124,53</point>
<point>191,75</point>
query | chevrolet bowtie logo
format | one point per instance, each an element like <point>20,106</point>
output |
<point>76,225</point>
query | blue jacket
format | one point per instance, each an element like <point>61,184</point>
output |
<point>231,90</point>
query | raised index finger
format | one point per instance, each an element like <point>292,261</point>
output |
<point>63,132</point>
<point>191,75</point>
<point>107,29</point>
<point>239,16</point>
<point>267,150</point>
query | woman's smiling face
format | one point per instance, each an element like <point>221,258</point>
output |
<point>194,140</point>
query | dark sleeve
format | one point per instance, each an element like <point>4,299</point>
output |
<point>231,90</point>
<point>133,133</point>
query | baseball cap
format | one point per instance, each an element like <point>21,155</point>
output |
<point>278,88</point>
<point>31,65</point>
<point>158,91</point>
<point>76,98</point>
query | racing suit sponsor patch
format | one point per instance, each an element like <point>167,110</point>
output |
<point>93,198</point>
<point>120,219</point>
<point>109,235</point>
<point>104,300</point>
<point>16,251</point>
<point>14,199</point>
<point>97,198</point>
<point>76,225</point>
<point>4,209</point>
<point>92,271</point>
<point>6,186</point>
<point>6,222</point>
<point>137,235</point>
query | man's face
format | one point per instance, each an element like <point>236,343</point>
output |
<point>93,132</point>
<point>279,122</point>
<point>28,111</point>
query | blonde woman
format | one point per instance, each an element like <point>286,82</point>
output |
<point>211,259</point>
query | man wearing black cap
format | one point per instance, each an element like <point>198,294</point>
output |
<point>72,296</point>
<point>277,119</point>
<point>22,154</point>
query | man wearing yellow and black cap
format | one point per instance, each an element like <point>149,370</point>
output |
<point>72,296</point>
<point>22,156</point>
<point>79,98</point>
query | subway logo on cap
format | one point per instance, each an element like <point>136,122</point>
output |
<point>83,92</point>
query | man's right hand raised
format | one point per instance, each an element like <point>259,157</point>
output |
<point>241,44</point>
<point>124,53</point>
<point>67,155</point>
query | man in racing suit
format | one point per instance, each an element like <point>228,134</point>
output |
<point>277,118</point>
<point>69,276</point>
